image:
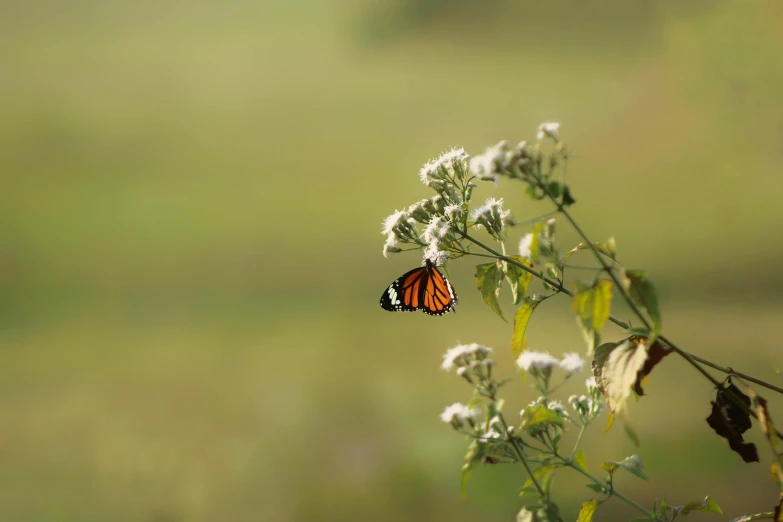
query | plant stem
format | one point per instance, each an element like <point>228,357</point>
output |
<point>578,440</point>
<point>613,491</point>
<point>521,456</point>
<point>691,359</point>
<point>632,304</point>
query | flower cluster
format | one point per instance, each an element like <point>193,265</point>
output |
<point>492,217</point>
<point>587,406</point>
<point>542,363</point>
<point>459,415</point>
<point>472,361</point>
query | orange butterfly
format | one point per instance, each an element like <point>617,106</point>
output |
<point>423,288</point>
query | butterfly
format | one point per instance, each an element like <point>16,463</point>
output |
<point>423,288</point>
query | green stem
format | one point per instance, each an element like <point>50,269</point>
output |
<point>691,359</point>
<point>521,455</point>
<point>578,440</point>
<point>613,491</point>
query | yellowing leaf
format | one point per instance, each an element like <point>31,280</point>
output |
<point>593,303</point>
<point>609,422</point>
<point>616,368</point>
<point>518,279</point>
<point>705,506</point>
<point>522,317</point>
<point>540,414</point>
<point>488,282</point>
<point>587,511</point>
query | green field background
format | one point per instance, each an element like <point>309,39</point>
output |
<point>190,257</point>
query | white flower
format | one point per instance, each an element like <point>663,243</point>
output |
<point>458,355</point>
<point>590,384</point>
<point>572,363</point>
<point>549,129</point>
<point>436,230</point>
<point>484,166</point>
<point>426,171</point>
<point>453,210</point>
<point>491,205</point>
<point>458,413</point>
<point>436,256</point>
<point>525,244</point>
<point>581,403</point>
<point>555,406</point>
<point>390,245</point>
<point>454,357</point>
<point>491,430</point>
<point>536,360</point>
<point>393,221</point>
<point>445,160</point>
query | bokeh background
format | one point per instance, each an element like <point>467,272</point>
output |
<point>191,261</point>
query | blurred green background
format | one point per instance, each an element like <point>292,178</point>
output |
<point>191,261</point>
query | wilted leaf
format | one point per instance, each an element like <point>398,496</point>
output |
<point>587,511</point>
<point>730,421</point>
<point>579,460</point>
<point>593,303</point>
<point>488,279</point>
<point>655,353</point>
<point>522,317</point>
<point>705,506</point>
<point>616,368</point>
<point>540,414</point>
<point>518,279</point>
<point>765,421</point>
<point>643,294</point>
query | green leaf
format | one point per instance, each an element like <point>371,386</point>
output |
<point>593,303</point>
<point>579,460</point>
<point>474,455</point>
<point>543,476</point>
<point>705,506</point>
<point>632,464</point>
<point>598,488</point>
<point>568,199</point>
<point>518,279</point>
<point>540,414</point>
<point>631,433</point>
<point>554,189</point>
<point>643,294</point>
<point>522,317</point>
<point>488,279</point>
<point>607,248</point>
<point>587,511</point>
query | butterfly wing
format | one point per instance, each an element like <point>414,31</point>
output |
<point>404,292</point>
<point>422,288</point>
<point>438,296</point>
